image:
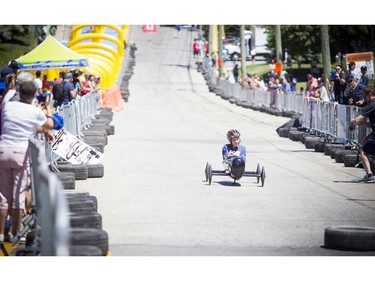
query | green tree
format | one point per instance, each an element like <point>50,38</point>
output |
<point>302,40</point>
<point>16,34</point>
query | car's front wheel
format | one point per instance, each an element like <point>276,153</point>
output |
<point>235,57</point>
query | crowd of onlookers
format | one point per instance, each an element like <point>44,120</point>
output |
<point>344,87</point>
<point>27,105</point>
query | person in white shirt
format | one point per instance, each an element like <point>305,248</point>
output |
<point>20,121</point>
<point>39,82</point>
<point>323,91</point>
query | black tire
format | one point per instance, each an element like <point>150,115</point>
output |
<point>311,141</point>
<point>95,170</point>
<point>100,121</point>
<point>206,171</point>
<point>67,179</point>
<point>80,171</point>
<point>209,174</point>
<point>97,146</point>
<point>333,151</point>
<point>82,206</point>
<point>284,132</point>
<point>84,250</point>
<point>304,136</point>
<point>350,238</point>
<point>263,176</point>
<point>86,220</point>
<point>339,155</point>
<point>84,198</point>
<point>90,236</point>
<point>95,139</point>
<point>76,194</point>
<point>295,135</point>
<point>330,146</point>
<point>350,160</point>
<point>319,146</point>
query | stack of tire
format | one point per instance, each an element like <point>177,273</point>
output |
<point>212,86</point>
<point>346,154</point>
<point>87,236</point>
<point>124,86</point>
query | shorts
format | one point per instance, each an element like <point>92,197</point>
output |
<point>369,146</point>
<point>15,175</point>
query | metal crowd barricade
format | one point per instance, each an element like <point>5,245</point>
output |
<point>50,213</point>
<point>77,115</point>
<point>328,119</point>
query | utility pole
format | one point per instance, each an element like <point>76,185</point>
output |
<point>278,43</point>
<point>243,53</point>
<point>326,54</point>
<point>210,38</point>
<point>220,64</point>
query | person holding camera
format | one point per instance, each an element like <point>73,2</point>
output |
<point>339,85</point>
<point>368,147</point>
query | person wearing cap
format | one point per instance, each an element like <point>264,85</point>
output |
<point>21,120</point>
<point>355,96</point>
<point>11,68</point>
<point>69,91</point>
<point>363,79</point>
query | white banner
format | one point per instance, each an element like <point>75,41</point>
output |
<point>74,150</point>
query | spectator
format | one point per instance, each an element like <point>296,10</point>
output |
<point>196,47</point>
<point>368,147</point>
<point>38,82</point>
<point>323,91</point>
<point>21,120</point>
<point>69,91</point>
<point>351,71</point>
<point>355,96</point>
<point>363,77</point>
<point>97,82</point>
<point>12,67</point>
<point>311,85</point>
<point>316,96</point>
<point>331,91</point>
<point>339,84</point>
<point>235,72</point>
<point>286,87</point>
<point>91,83</point>
<point>179,28</point>
<point>272,67</point>
<point>45,83</point>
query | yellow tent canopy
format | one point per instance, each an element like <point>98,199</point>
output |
<point>51,54</point>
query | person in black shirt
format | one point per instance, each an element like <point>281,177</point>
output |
<point>368,147</point>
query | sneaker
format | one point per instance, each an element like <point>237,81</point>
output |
<point>368,179</point>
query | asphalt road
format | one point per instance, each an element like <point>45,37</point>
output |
<point>153,198</point>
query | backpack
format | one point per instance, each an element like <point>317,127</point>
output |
<point>58,92</point>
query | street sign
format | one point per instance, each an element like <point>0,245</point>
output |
<point>149,28</point>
